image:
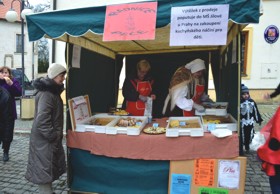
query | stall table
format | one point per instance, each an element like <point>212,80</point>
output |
<point>137,164</point>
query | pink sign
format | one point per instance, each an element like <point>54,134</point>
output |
<point>130,22</point>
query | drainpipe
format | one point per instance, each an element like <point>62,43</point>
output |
<point>53,41</point>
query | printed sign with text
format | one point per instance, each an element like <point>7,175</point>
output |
<point>130,22</point>
<point>199,25</point>
<point>229,174</point>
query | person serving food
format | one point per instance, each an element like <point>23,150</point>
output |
<point>137,88</point>
<point>186,90</point>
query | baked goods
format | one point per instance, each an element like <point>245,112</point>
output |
<point>100,121</point>
<point>129,122</point>
<point>193,123</point>
<point>154,130</point>
<point>214,106</point>
<point>215,119</point>
<point>120,112</point>
<point>207,121</point>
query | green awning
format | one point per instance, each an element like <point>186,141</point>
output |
<point>88,23</point>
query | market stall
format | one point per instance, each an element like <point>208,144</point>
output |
<point>119,163</point>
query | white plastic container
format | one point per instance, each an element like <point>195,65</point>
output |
<point>176,132</point>
<point>112,129</point>
<point>214,108</point>
<point>80,113</point>
<point>230,124</point>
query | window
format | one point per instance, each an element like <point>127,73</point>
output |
<point>18,43</point>
<point>246,47</point>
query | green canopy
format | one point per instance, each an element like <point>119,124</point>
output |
<point>84,26</point>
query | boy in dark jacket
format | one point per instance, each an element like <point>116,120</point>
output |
<point>6,120</point>
<point>249,114</point>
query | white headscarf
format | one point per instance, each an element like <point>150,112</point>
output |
<point>195,65</point>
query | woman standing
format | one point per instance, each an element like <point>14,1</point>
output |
<point>13,87</point>
<point>137,88</point>
<point>46,161</point>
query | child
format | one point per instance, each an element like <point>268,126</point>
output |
<point>249,115</point>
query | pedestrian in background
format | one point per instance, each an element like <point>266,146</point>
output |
<point>273,94</point>
<point>269,153</point>
<point>46,160</point>
<point>249,115</point>
<point>13,87</point>
<point>6,118</point>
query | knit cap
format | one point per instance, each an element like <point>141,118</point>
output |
<point>195,65</point>
<point>244,89</point>
<point>55,69</point>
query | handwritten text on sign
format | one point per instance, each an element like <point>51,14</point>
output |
<point>130,22</point>
<point>199,25</point>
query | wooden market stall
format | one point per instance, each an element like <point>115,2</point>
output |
<point>138,164</point>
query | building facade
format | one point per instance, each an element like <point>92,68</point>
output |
<point>10,43</point>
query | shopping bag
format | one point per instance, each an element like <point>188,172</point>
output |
<point>148,107</point>
<point>257,141</point>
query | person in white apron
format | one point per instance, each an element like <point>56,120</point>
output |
<point>137,88</point>
<point>186,90</point>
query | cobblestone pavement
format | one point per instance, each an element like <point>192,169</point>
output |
<point>12,173</point>
<point>12,180</point>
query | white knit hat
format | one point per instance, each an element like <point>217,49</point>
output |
<point>195,65</point>
<point>55,69</point>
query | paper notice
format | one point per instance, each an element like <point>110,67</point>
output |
<point>199,25</point>
<point>180,184</point>
<point>204,172</point>
<point>229,174</point>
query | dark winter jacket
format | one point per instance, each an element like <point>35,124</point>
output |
<point>46,161</point>
<point>6,116</point>
<point>14,90</point>
<point>276,92</point>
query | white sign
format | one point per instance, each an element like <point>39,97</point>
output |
<point>76,58</point>
<point>199,25</point>
<point>229,174</point>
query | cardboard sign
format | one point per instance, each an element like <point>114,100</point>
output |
<point>199,25</point>
<point>223,168</point>
<point>130,22</point>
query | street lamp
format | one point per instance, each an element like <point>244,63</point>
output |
<point>11,16</point>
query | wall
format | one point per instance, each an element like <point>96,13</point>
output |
<point>264,55</point>
<point>8,47</point>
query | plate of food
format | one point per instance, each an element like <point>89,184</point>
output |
<point>154,130</point>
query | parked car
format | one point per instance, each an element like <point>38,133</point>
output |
<point>28,87</point>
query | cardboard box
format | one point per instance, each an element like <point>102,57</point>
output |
<point>214,108</point>
<point>27,108</point>
<point>81,117</point>
<point>189,167</point>
<point>227,122</point>
<point>112,129</point>
<point>190,131</point>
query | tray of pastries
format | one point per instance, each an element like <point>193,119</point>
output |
<point>129,125</point>
<point>211,122</point>
<point>155,129</point>
<point>184,126</point>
